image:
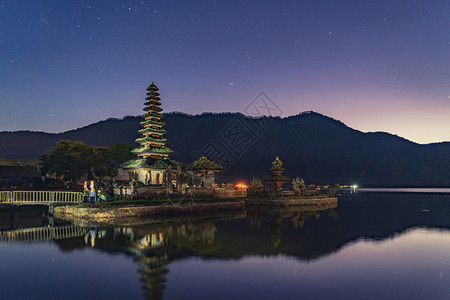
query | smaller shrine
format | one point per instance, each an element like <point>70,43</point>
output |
<point>203,172</point>
<point>277,179</point>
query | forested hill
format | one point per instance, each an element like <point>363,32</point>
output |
<point>312,146</point>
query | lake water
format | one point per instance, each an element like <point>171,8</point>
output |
<point>405,190</point>
<point>371,246</point>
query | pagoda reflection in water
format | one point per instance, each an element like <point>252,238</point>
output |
<point>154,247</point>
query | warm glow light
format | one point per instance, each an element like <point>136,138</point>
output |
<point>241,186</point>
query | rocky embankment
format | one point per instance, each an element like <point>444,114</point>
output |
<point>109,215</point>
<point>307,203</point>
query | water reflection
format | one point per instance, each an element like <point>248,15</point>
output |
<point>38,234</point>
<point>24,218</point>
<point>153,246</point>
<point>300,235</point>
<point>279,219</point>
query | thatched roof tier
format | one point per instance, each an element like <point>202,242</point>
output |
<point>204,164</point>
<point>149,139</point>
<point>151,102</point>
<point>152,87</point>
<point>150,163</point>
<point>152,122</point>
<point>153,108</point>
<point>277,169</point>
<point>150,113</point>
<point>151,150</point>
<point>152,130</point>
<point>277,161</point>
<point>152,96</point>
<point>139,163</point>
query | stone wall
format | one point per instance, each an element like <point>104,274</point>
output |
<point>224,193</point>
<point>105,215</point>
<point>200,191</point>
<point>304,202</point>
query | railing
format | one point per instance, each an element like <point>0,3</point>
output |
<point>40,197</point>
<point>5,197</point>
<point>42,234</point>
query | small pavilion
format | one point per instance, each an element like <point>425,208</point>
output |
<point>277,179</point>
<point>204,171</point>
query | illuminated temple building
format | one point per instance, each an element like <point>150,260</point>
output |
<point>152,165</point>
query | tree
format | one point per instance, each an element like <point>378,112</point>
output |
<point>256,187</point>
<point>295,185</point>
<point>167,179</point>
<point>188,177</point>
<point>103,164</point>
<point>333,189</point>
<point>121,153</point>
<point>298,186</point>
<point>179,178</point>
<point>68,160</point>
<point>302,187</point>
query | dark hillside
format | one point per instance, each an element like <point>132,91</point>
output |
<point>315,147</point>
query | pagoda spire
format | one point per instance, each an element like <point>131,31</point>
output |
<point>152,143</point>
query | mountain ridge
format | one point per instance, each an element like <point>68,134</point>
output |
<point>313,146</point>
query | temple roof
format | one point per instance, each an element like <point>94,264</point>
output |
<point>153,108</point>
<point>152,87</point>
<point>151,130</point>
<point>150,113</point>
<point>151,122</point>
<point>138,163</point>
<point>151,102</point>
<point>151,150</point>
<point>150,163</point>
<point>163,164</point>
<point>277,161</point>
<point>152,96</point>
<point>203,164</point>
<point>149,139</point>
<point>277,168</point>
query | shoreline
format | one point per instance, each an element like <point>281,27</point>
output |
<point>126,215</point>
<point>121,214</point>
<point>306,203</point>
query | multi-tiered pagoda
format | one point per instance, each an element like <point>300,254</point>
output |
<point>153,155</point>
<point>277,179</point>
<point>152,142</point>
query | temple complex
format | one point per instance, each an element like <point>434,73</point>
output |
<point>152,165</point>
<point>277,179</point>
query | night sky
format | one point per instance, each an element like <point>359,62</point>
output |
<point>375,65</point>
